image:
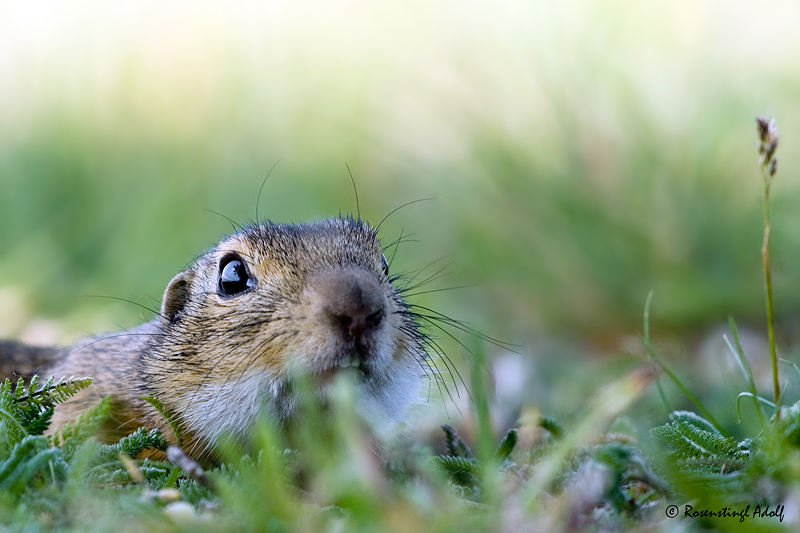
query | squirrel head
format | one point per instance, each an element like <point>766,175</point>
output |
<point>273,303</point>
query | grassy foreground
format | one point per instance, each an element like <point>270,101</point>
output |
<point>594,473</point>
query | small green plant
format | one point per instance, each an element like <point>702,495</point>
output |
<point>463,469</point>
<point>703,462</point>
<point>699,449</point>
<point>43,475</point>
<point>169,417</point>
<point>25,411</point>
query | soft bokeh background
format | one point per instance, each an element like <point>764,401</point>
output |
<point>579,154</point>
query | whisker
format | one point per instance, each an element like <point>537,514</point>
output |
<point>234,225</point>
<point>261,189</point>
<point>115,336</point>
<point>433,323</point>
<point>154,311</point>
<point>403,238</point>
<point>433,277</point>
<point>355,191</point>
<point>463,326</point>
<point>451,368</point>
<point>396,209</point>
<point>443,289</point>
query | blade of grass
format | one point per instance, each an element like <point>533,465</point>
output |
<point>646,341</point>
<point>664,368</point>
<point>744,365</point>
<point>757,399</point>
<point>485,441</point>
<point>786,361</point>
<point>485,448</point>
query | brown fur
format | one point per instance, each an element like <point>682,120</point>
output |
<point>321,300</point>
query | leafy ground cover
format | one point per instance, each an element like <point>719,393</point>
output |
<point>594,473</point>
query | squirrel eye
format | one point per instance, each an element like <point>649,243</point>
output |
<point>385,265</point>
<point>233,277</point>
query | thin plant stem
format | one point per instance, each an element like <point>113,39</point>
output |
<point>768,300</point>
<point>768,137</point>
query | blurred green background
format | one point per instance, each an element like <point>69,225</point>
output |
<point>580,154</point>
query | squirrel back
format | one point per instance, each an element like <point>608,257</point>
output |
<point>25,360</point>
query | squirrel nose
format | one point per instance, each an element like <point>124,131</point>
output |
<point>351,299</point>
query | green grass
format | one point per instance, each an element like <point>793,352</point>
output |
<point>333,477</point>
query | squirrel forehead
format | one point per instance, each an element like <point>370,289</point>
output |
<point>336,241</point>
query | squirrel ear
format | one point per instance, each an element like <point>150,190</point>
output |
<point>176,296</point>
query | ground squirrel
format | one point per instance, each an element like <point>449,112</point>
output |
<point>268,302</point>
